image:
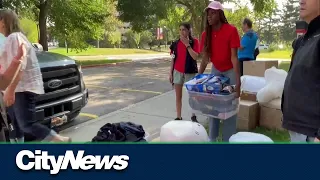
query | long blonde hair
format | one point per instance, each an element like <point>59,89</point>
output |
<point>11,21</point>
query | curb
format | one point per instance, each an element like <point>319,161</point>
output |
<point>120,63</point>
<point>105,65</point>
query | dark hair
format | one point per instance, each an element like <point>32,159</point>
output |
<point>11,21</point>
<point>248,22</point>
<point>208,30</point>
<point>188,27</point>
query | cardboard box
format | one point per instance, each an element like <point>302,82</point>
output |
<point>248,116</point>
<point>248,96</point>
<point>271,115</point>
<point>257,68</point>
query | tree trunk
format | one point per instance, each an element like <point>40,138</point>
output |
<point>43,24</point>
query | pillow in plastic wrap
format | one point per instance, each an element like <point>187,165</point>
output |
<point>183,131</point>
<point>245,137</point>
<point>272,91</point>
<point>252,83</point>
<point>275,79</point>
<point>273,74</point>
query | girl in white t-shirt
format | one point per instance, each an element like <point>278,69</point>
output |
<point>20,96</point>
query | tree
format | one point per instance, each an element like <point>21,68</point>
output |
<point>270,27</point>
<point>146,38</point>
<point>290,15</point>
<point>29,28</point>
<point>175,15</point>
<point>114,38</point>
<point>142,14</point>
<point>72,20</point>
<point>77,21</point>
<point>236,18</point>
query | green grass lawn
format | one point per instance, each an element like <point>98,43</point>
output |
<point>276,136</point>
<point>101,51</point>
<point>285,65</point>
<point>276,54</point>
<point>100,62</point>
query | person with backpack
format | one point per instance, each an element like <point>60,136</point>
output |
<point>185,52</point>
<point>219,44</point>
<point>301,94</point>
<point>248,44</point>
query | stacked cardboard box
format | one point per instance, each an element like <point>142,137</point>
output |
<point>251,113</point>
<point>257,68</point>
<point>271,115</point>
<point>248,116</point>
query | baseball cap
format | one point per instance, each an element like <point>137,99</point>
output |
<point>216,5</point>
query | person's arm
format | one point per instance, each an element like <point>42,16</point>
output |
<point>172,59</point>
<point>12,47</point>
<point>191,51</point>
<point>7,77</point>
<point>204,63</point>
<point>235,63</point>
<point>205,57</point>
<point>193,54</point>
<point>244,42</point>
<point>195,51</point>
<point>15,42</point>
<point>235,44</point>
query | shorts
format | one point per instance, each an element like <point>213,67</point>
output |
<point>180,78</point>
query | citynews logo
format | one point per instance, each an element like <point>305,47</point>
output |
<point>40,160</point>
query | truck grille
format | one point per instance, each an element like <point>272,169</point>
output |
<point>59,83</point>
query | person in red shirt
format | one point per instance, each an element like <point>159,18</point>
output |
<point>185,52</point>
<point>219,44</point>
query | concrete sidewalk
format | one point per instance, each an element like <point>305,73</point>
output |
<point>151,114</point>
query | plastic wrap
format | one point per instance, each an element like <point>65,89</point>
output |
<point>243,137</point>
<point>252,83</point>
<point>275,79</point>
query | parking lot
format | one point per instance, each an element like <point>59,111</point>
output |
<point>115,87</point>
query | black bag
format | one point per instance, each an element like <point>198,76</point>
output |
<point>5,122</point>
<point>256,53</point>
<point>120,132</point>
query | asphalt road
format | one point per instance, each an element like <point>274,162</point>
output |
<point>116,87</point>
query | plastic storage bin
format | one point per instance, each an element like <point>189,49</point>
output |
<point>214,105</point>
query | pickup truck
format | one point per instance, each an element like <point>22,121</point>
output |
<point>65,91</point>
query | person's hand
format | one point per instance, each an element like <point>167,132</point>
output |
<point>316,140</point>
<point>185,41</point>
<point>9,98</point>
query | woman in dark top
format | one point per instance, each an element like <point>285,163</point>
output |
<point>185,52</point>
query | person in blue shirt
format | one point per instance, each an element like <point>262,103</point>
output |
<point>248,43</point>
